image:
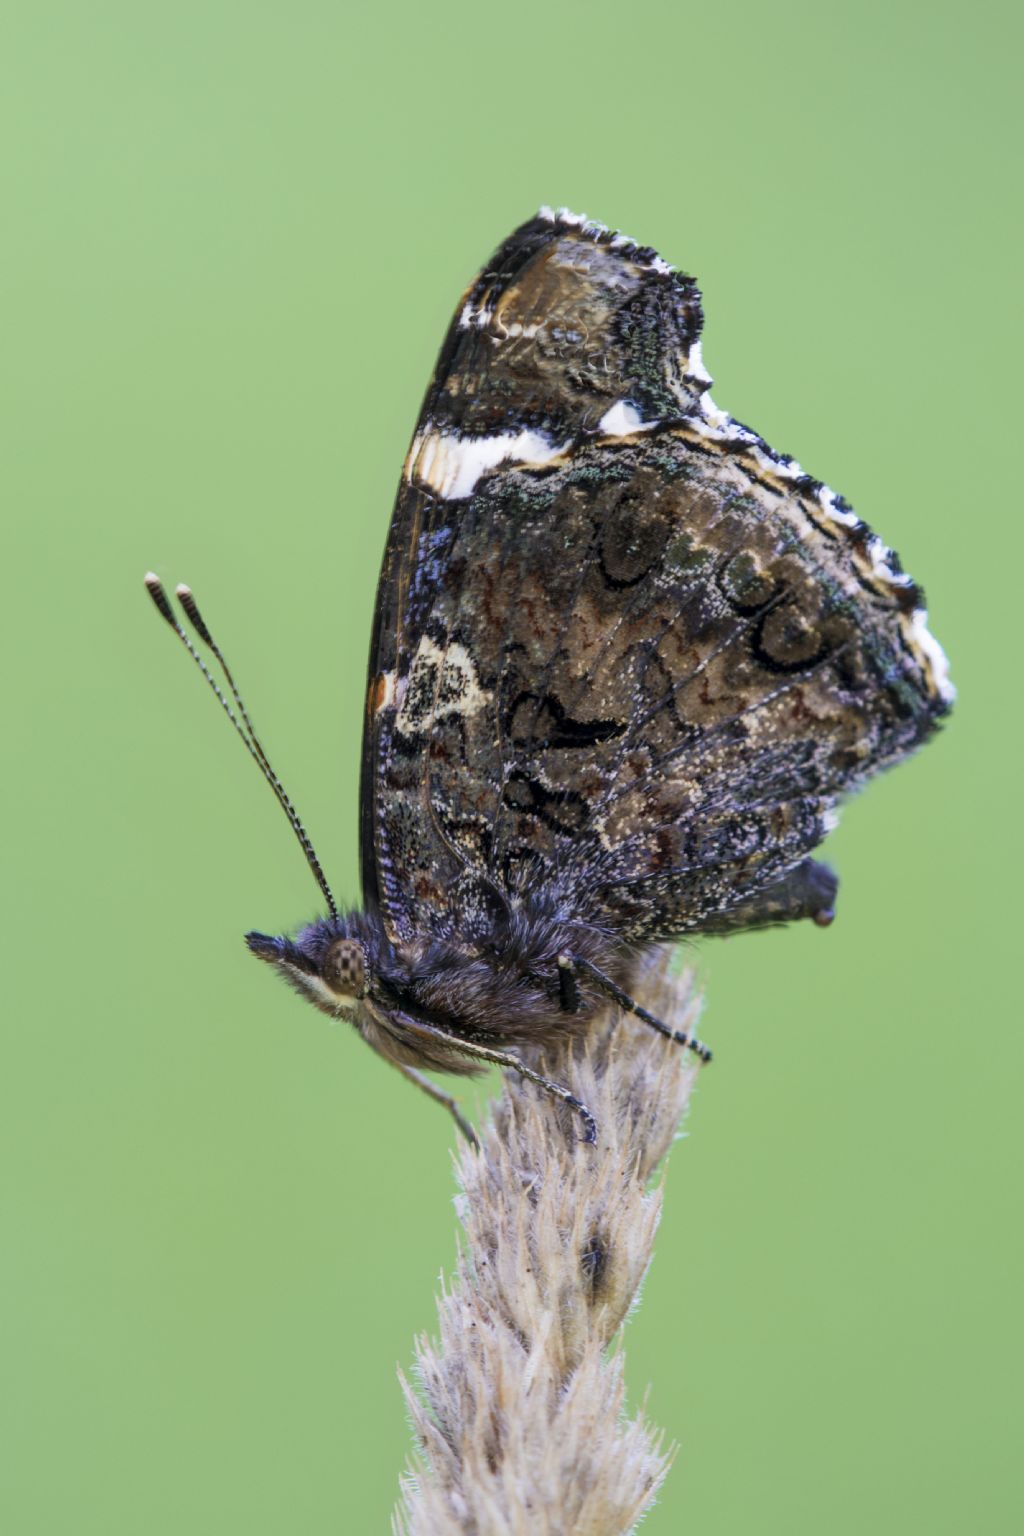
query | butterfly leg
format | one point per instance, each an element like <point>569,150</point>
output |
<point>440,1097</point>
<point>510,1062</point>
<point>568,987</point>
<point>629,1005</point>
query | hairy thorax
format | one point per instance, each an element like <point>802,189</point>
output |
<point>417,1000</point>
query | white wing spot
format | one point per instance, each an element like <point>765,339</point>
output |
<point>441,682</point>
<point>451,466</point>
<point>622,419</point>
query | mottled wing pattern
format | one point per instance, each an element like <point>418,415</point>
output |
<point>621,647</point>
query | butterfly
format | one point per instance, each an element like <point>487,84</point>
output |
<point>625,661</point>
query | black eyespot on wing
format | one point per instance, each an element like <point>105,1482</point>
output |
<point>543,721</point>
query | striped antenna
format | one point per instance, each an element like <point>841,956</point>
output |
<point>244,727</point>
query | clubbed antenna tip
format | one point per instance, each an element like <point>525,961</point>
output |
<point>187,600</point>
<point>155,588</point>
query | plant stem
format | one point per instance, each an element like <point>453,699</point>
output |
<point>520,1416</point>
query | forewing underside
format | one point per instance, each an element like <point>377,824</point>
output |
<point>638,667</point>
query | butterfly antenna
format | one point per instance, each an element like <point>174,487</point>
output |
<point>244,727</point>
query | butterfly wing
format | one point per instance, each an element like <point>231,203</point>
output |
<point>621,649</point>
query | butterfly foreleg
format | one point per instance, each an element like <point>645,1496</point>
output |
<point>512,1063</point>
<point>630,1005</point>
<point>440,1097</point>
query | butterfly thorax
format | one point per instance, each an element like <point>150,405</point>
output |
<point>404,994</point>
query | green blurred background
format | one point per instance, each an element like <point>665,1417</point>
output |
<point>233,236</point>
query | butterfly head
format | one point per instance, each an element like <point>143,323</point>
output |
<point>326,963</point>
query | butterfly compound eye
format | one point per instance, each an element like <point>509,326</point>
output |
<point>343,968</point>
